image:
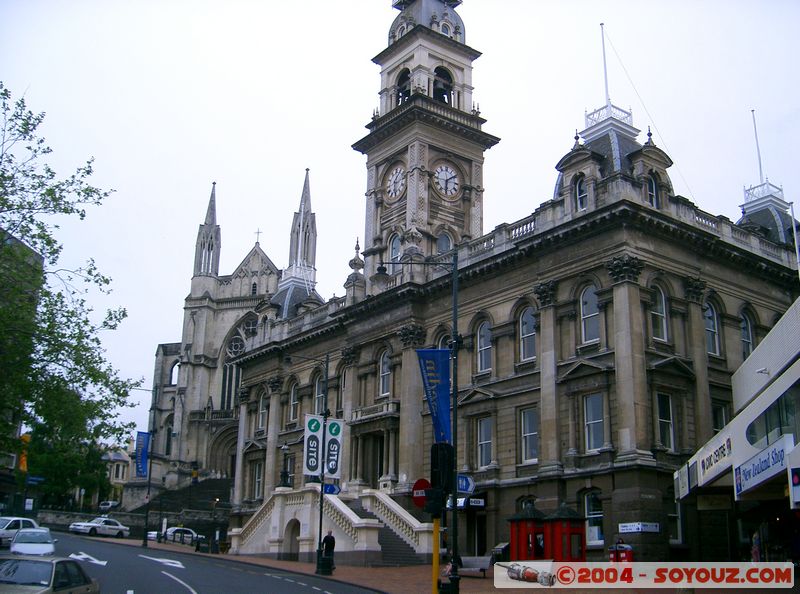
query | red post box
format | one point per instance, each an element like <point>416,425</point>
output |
<point>620,552</point>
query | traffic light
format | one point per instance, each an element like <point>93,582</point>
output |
<point>795,475</point>
<point>442,463</point>
<point>434,502</point>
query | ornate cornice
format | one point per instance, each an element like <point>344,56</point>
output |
<point>625,268</point>
<point>274,384</point>
<point>350,354</point>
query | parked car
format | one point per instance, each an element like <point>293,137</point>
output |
<point>10,525</point>
<point>42,575</point>
<point>107,506</point>
<point>33,541</point>
<point>177,534</point>
<point>102,526</point>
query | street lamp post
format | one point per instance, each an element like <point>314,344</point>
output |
<point>321,569</point>
<point>285,472</point>
<point>454,343</point>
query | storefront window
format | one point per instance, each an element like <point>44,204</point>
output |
<point>779,419</point>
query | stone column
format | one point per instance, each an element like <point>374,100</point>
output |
<point>273,463</point>
<point>348,393</point>
<point>694,289</point>
<point>411,395</point>
<point>632,394</point>
<point>238,481</point>
<point>550,439</point>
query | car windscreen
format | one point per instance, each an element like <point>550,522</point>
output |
<point>25,572</point>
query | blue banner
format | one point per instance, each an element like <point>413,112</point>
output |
<point>435,367</point>
<point>142,453</point>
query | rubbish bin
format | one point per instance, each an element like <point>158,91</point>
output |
<point>620,552</point>
<point>201,546</point>
<point>500,552</point>
<point>445,587</point>
<point>325,565</point>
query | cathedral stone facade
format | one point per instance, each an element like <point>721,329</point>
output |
<point>596,337</point>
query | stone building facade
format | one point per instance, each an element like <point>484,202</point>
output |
<point>597,336</point>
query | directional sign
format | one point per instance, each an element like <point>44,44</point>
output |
<point>84,557</point>
<point>330,489</point>
<point>466,484</point>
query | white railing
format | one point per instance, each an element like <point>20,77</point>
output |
<point>416,534</point>
<point>762,191</point>
<point>607,112</point>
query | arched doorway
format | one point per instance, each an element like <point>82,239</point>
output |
<point>290,548</point>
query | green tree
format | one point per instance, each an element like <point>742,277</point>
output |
<point>53,369</point>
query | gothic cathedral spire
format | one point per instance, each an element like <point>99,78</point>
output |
<point>209,240</point>
<point>303,242</point>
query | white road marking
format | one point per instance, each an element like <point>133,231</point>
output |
<point>181,582</point>
<point>84,557</point>
<point>168,562</point>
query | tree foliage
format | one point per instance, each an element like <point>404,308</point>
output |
<point>53,369</point>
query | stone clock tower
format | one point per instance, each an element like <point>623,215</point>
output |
<point>425,144</point>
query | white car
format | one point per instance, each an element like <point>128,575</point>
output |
<point>177,534</point>
<point>100,526</point>
<point>10,525</point>
<point>33,541</point>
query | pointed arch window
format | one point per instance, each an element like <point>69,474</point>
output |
<point>174,373</point>
<point>484,347</point>
<point>712,328</point>
<point>527,334</point>
<point>746,326</point>
<point>394,254</point>
<point>385,375</point>
<point>168,439</point>
<point>658,314</point>
<point>581,194</point>
<point>652,191</point>
<point>254,289</point>
<point>590,315</point>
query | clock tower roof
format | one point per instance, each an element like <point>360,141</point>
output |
<point>438,15</point>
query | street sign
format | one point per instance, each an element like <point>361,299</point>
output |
<point>333,448</point>
<point>330,489</point>
<point>313,445</point>
<point>466,484</point>
<point>418,492</point>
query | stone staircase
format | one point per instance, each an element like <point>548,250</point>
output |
<point>395,551</point>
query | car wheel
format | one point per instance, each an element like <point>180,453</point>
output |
<point>92,532</point>
<point>120,534</point>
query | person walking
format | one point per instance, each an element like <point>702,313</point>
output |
<point>328,544</point>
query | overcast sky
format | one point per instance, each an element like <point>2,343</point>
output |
<point>171,95</point>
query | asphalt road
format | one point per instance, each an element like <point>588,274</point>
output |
<point>137,570</point>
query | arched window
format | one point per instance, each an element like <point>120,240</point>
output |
<point>250,326</point>
<point>652,191</point>
<point>658,314</point>
<point>263,409</point>
<point>527,334</point>
<point>484,347</point>
<point>590,315</point>
<point>254,289</point>
<point>174,373</point>
<point>168,439</point>
<point>403,86</point>
<point>319,395</point>
<point>294,404</point>
<point>385,374</point>
<point>394,254</point>
<point>445,30</point>
<point>443,243</point>
<point>712,329</point>
<point>401,31</point>
<point>442,86</point>
<point>581,196</point>
<point>746,325</point>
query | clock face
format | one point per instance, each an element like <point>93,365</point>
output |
<point>396,182</point>
<point>446,180</point>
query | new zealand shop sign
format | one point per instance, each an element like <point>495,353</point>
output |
<point>767,463</point>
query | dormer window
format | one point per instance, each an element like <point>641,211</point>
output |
<point>581,195</point>
<point>443,243</point>
<point>652,191</point>
<point>446,30</point>
<point>401,31</point>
